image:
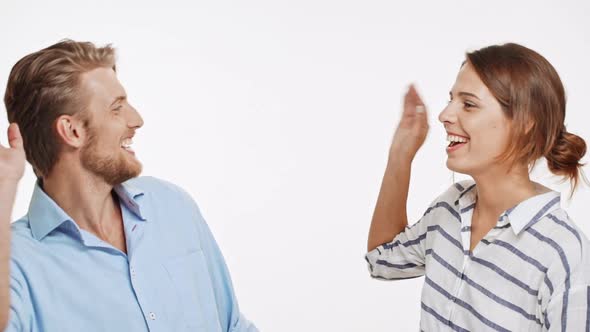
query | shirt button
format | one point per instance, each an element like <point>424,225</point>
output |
<point>132,272</point>
<point>152,316</point>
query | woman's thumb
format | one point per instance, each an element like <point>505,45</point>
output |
<point>15,139</point>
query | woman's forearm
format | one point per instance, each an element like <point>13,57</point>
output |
<point>390,217</point>
<point>7,196</point>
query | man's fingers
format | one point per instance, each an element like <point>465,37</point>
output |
<point>15,139</point>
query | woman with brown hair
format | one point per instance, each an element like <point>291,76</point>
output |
<point>497,252</point>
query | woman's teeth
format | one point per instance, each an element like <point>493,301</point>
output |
<point>454,140</point>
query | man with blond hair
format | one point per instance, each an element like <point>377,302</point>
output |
<point>100,248</point>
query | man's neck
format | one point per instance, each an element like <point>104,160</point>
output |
<point>89,201</point>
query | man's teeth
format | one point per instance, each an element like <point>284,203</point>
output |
<point>456,139</point>
<point>126,143</point>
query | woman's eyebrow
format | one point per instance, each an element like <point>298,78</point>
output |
<point>468,94</point>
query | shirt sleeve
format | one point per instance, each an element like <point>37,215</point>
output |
<point>227,305</point>
<point>565,297</point>
<point>402,258</point>
<point>568,310</point>
<point>20,304</point>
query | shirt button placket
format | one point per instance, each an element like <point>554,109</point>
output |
<point>151,315</point>
<point>458,287</point>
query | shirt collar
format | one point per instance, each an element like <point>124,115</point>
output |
<point>45,215</point>
<point>521,216</point>
<point>528,212</point>
<point>128,194</point>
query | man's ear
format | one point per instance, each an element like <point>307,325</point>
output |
<point>71,130</point>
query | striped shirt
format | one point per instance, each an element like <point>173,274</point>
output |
<point>531,272</point>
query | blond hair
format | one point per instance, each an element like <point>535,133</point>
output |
<point>45,85</point>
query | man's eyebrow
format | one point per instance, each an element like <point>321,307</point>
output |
<point>118,99</point>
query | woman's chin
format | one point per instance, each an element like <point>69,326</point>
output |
<point>452,166</point>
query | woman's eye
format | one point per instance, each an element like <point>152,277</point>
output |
<point>468,105</point>
<point>118,108</point>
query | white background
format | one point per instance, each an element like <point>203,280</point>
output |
<point>277,117</point>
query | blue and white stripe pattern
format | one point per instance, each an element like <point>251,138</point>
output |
<point>531,272</point>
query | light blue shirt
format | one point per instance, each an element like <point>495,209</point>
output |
<point>173,277</point>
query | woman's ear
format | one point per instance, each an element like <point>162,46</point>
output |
<point>529,126</point>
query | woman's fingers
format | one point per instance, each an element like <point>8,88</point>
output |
<point>412,100</point>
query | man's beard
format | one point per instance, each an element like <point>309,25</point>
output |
<point>113,169</point>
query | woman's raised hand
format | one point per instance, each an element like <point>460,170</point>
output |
<point>12,158</point>
<point>412,128</point>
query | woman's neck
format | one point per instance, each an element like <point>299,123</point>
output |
<point>497,192</point>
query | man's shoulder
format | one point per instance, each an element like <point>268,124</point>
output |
<point>22,243</point>
<point>155,186</point>
<point>161,192</point>
<point>150,183</point>
<point>21,228</point>
<point>170,206</point>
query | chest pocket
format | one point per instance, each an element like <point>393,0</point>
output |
<point>190,279</point>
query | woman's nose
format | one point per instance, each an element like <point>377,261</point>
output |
<point>448,114</point>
